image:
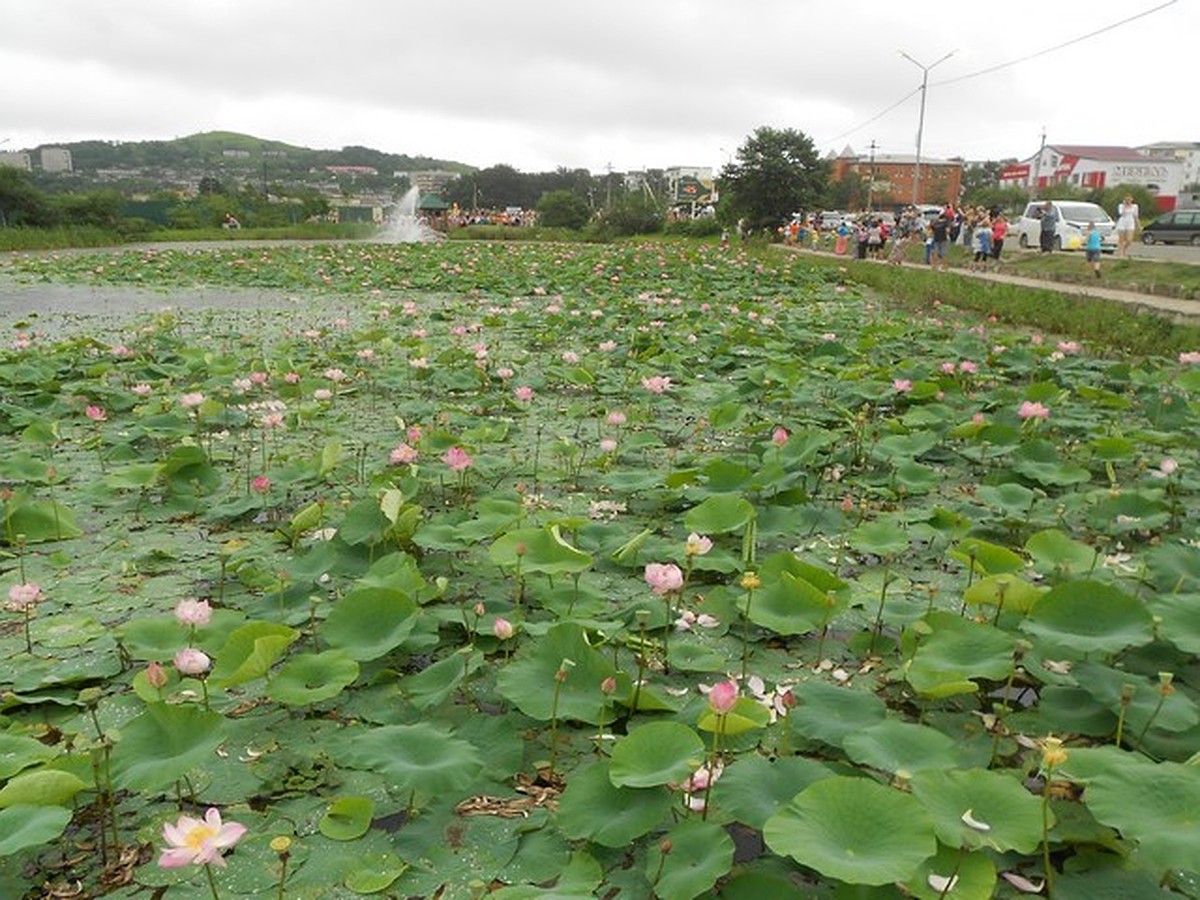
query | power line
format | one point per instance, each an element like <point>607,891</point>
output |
<point>875,117</point>
<point>1064,44</point>
<point>998,67</point>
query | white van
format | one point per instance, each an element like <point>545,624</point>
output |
<point>1073,219</point>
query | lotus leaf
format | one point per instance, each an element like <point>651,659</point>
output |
<point>855,830</point>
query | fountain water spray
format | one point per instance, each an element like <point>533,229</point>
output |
<point>404,226</point>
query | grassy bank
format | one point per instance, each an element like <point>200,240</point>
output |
<point>1114,326</point>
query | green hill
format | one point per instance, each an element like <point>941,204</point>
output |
<point>229,151</point>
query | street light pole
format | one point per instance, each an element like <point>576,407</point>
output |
<point>921,117</point>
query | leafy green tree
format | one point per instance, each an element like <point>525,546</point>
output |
<point>563,209</point>
<point>632,214</point>
<point>777,172</point>
<point>98,208</point>
<point>20,202</point>
<point>1110,198</point>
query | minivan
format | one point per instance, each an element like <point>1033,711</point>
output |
<point>1073,219</point>
<point>1179,227</point>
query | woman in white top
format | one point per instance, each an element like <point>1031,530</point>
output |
<point>1127,224</point>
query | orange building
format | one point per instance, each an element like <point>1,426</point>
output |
<point>889,178</point>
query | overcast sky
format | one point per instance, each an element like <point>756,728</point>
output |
<point>633,84</point>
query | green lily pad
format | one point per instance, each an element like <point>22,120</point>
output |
<point>901,747</point>
<point>719,514</point>
<point>855,830</point>
<point>19,752</point>
<point>41,787</point>
<point>754,788</point>
<point>593,808</point>
<point>250,651</point>
<point>656,753</point>
<point>414,757</point>
<point>829,713</point>
<point>1154,805</point>
<point>701,853</point>
<point>162,744</point>
<point>22,827</point>
<point>529,680</point>
<point>976,808</point>
<point>542,550</point>
<point>370,622</point>
<point>347,818</point>
<point>1052,551</point>
<point>1090,617</point>
<point>375,874</point>
<point>313,677</point>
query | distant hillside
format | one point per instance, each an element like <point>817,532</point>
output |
<point>226,150</point>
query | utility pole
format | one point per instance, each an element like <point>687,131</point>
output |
<point>608,186</point>
<point>1037,166</point>
<point>916,194</point>
<point>871,182</point>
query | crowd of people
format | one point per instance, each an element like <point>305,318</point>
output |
<point>887,236</point>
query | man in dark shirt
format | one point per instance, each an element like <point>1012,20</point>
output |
<point>1049,227</point>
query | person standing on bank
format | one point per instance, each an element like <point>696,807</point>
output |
<point>1049,227</point>
<point>1127,225</point>
<point>1092,247</point>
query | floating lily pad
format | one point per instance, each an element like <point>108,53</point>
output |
<point>855,830</point>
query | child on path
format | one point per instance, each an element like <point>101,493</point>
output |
<point>1092,247</point>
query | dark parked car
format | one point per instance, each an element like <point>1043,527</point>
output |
<point>1179,227</point>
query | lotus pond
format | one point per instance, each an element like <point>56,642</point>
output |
<point>566,571</point>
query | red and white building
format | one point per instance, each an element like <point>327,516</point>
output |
<point>1088,167</point>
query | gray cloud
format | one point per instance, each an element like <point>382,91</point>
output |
<point>540,84</point>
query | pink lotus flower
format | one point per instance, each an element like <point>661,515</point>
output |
<point>120,351</point>
<point>505,373</point>
<point>1068,347</point>
<point>141,390</point>
<point>199,841</point>
<point>1190,358</point>
<point>663,577</point>
<point>524,394</point>
<point>1033,410</point>
<point>502,628</point>
<point>1166,468</point>
<point>193,612</point>
<point>322,394</point>
<point>402,455</point>
<point>272,420</point>
<point>570,357</point>
<point>948,368</point>
<point>723,697</point>
<point>967,367</point>
<point>779,436</point>
<point>259,378</point>
<point>607,346</point>
<point>96,413</point>
<point>413,434</point>
<point>23,597</point>
<point>156,675</point>
<point>292,378</point>
<point>260,484</point>
<point>902,385</point>
<point>697,545</point>
<point>191,400</point>
<point>656,384</point>
<point>457,459</point>
<point>616,417</point>
<point>608,445</point>
<point>335,375</point>
<point>190,661</point>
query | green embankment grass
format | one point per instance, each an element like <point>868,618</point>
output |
<point>1107,324</point>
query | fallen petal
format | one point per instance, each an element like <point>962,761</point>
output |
<point>971,822</point>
